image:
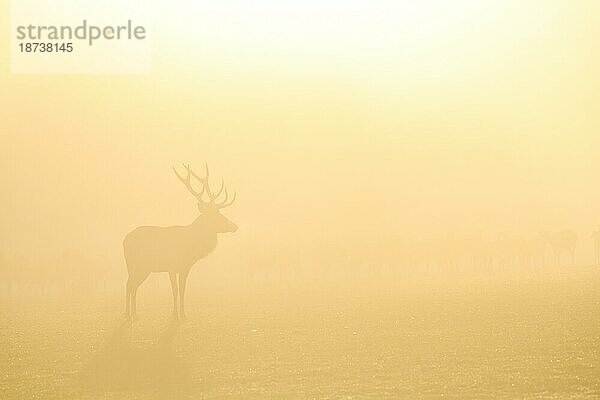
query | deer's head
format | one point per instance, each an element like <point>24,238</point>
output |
<point>211,208</point>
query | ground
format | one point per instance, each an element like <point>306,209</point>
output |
<point>526,337</point>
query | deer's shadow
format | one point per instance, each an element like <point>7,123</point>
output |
<point>123,365</point>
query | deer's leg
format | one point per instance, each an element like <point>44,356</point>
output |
<point>134,302</point>
<point>134,287</point>
<point>182,280</point>
<point>128,298</point>
<point>173,278</point>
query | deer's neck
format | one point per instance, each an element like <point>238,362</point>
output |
<point>204,237</point>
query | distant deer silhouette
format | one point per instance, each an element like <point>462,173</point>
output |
<point>596,239</point>
<point>560,242</point>
<point>175,249</point>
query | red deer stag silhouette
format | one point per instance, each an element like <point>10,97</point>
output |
<point>175,249</point>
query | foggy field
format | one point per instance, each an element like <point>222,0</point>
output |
<point>347,199</point>
<point>532,337</point>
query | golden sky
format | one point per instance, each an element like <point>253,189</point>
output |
<point>331,119</point>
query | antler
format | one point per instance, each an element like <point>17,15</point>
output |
<point>188,184</point>
<point>206,187</point>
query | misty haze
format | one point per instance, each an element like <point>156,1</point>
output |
<point>323,200</point>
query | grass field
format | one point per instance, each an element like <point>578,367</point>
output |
<point>534,337</point>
